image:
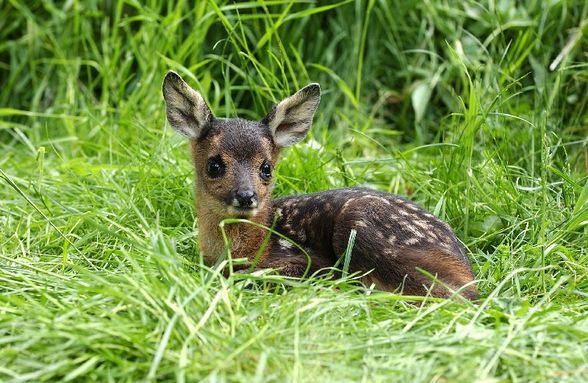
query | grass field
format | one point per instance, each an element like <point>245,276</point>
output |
<point>477,111</point>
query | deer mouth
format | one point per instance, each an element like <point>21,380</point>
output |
<point>241,212</point>
<point>242,205</point>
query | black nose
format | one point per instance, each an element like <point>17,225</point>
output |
<point>246,199</point>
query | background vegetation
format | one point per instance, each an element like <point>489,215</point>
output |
<point>476,110</point>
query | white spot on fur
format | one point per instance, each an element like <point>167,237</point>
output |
<point>411,241</point>
<point>284,244</point>
<point>382,199</point>
<point>413,207</point>
<point>390,252</point>
<point>414,230</point>
<point>421,224</point>
<point>405,213</point>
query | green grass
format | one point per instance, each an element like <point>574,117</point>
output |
<point>452,104</point>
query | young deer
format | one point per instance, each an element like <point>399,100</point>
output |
<point>234,160</point>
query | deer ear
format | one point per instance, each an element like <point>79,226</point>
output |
<point>290,120</point>
<point>186,109</point>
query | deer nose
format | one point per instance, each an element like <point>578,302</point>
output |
<point>245,199</point>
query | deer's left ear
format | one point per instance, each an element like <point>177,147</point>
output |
<point>290,120</point>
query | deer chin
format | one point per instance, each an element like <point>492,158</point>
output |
<point>236,212</point>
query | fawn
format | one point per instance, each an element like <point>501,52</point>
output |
<point>234,160</point>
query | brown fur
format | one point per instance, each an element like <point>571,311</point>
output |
<point>395,238</point>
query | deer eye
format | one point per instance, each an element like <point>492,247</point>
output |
<point>265,171</point>
<point>215,167</point>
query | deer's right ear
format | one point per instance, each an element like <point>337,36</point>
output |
<point>186,109</point>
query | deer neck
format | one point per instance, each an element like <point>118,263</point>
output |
<point>245,238</point>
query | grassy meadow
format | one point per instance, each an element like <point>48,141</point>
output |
<point>475,110</point>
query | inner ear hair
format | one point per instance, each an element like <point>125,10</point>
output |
<point>186,109</point>
<point>290,120</point>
